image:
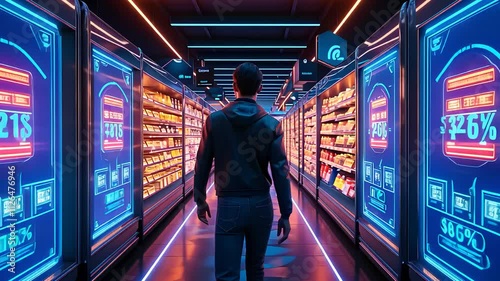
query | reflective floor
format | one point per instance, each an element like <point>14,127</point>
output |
<point>190,255</point>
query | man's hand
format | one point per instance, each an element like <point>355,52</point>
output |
<point>283,225</point>
<point>203,211</point>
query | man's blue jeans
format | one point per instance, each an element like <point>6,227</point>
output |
<point>238,219</point>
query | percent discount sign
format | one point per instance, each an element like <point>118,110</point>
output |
<point>16,115</point>
<point>112,124</point>
<point>469,123</point>
<point>378,118</point>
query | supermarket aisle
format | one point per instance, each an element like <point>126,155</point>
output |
<point>190,255</point>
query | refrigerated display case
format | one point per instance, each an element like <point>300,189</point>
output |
<point>455,223</point>
<point>193,125</point>
<point>310,139</point>
<point>111,109</point>
<point>39,87</point>
<point>295,143</point>
<point>162,147</point>
<point>381,129</point>
<point>337,146</point>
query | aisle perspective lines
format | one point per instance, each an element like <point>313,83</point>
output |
<point>171,241</point>
<point>317,241</point>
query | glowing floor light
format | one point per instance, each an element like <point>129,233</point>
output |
<point>171,241</point>
<point>317,241</point>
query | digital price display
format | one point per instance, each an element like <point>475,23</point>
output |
<point>459,185</point>
<point>380,143</point>
<point>30,94</point>
<point>113,143</point>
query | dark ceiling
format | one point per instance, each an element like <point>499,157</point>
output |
<point>278,45</point>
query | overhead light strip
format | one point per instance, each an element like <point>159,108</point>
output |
<point>248,59</point>
<point>289,94</point>
<point>154,28</point>
<point>263,68</point>
<point>187,24</point>
<point>246,46</point>
<point>265,74</point>
<point>347,16</point>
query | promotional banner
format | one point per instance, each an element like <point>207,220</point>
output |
<point>30,174</point>
<point>113,143</point>
<point>459,185</point>
<point>380,142</point>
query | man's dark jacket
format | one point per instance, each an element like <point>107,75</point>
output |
<point>244,140</point>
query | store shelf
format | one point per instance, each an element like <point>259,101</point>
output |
<point>343,104</point>
<point>309,115</point>
<point>193,116</point>
<point>193,136</point>
<point>148,103</point>
<point>161,161</point>
<point>160,150</point>
<point>193,126</point>
<point>163,170</point>
<point>310,134</point>
<point>339,133</point>
<point>158,121</point>
<point>339,149</point>
<point>346,117</point>
<point>340,167</point>
<point>161,134</point>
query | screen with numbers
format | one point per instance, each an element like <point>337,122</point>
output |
<point>30,186</point>
<point>380,143</point>
<point>112,130</point>
<point>460,175</point>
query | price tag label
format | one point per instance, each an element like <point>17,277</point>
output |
<point>16,115</point>
<point>112,124</point>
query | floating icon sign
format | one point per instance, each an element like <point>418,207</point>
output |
<point>436,44</point>
<point>335,53</point>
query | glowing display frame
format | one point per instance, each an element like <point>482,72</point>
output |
<point>459,226</point>
<point>114,191</point>
<point>380,188</point>
<point>41,51</point>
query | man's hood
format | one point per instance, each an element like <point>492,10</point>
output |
<point>244,112</point>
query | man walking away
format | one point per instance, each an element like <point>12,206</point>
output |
<point>244,140</point>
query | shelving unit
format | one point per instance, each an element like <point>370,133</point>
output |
<point>295,144</point>
<point>337,150</point>
<point>193,125</point>
<point>162,144</point>
<point>310,123</point>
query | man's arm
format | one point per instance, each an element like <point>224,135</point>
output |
<point>204,160</point>
<point>280,171</point>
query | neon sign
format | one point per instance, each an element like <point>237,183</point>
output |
<point>379,139</point>
<point>112,202</point>
<point>460,196</point>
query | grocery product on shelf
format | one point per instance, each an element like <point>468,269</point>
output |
<point>310,144</point>
<point>192,132</point>
<point>162,141</point>
<point>338,142</point>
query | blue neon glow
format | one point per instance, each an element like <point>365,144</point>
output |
<point>113,84</point>
<point>171,241</point>
<point>112,60</point>
<point>458,239</point>
<point>247,24</point>
<point>36,224</point>
<point>2,40</point>
<point>31,13</point>
<point>380,187</point>
<point>112,201</point>
<point>464,49</point>
<point>245,47</point>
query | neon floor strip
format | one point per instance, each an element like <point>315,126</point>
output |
<point>317,241</point>
<point>171,241</point>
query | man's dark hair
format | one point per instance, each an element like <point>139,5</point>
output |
<point>248,77</point>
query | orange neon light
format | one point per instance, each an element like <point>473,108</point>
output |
<point>347,16</point>
<point>15,99</point>
<point>471,150</point>
<point>379,103</point>
<point>470,79</point>
<point>14,76</point>
<point>113,101</point>
<point>471,102</point>
<point>22,100</point>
